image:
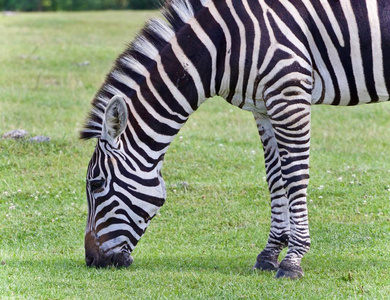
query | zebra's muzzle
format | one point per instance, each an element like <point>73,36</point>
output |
<point>94,257</point>
<point>117,260</point>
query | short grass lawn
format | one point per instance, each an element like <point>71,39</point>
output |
<point>216,218</point>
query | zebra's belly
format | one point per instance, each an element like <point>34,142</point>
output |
<point>346,90</point>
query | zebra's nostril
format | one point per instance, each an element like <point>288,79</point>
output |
<point>92,256</point>
<point>89,261</point>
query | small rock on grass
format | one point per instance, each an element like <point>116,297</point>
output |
<point>83,63</point>
<point>15,134</point>
<point>21,134</point>
<point>39,139</point>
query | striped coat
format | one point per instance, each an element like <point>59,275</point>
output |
<point>274,58</point>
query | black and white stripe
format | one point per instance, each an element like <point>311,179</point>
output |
<point>274,58</point>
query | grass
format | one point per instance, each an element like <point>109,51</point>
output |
<point>216,218</point>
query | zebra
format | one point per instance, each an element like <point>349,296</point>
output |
<point>274,58</point>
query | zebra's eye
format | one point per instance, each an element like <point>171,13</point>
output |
<point>96,185</point>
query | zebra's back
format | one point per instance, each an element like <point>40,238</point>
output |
<point>348,43</point>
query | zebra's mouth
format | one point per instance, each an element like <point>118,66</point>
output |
<point>96,257</point>
<point>118,260</point>
<point>123,259</point>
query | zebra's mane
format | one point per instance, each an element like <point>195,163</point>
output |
<point>154,36</point>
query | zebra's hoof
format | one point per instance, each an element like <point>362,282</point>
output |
<point>266,261</point>
<point>266,265</point>
<point>288,270</point>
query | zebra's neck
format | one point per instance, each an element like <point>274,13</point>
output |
<point>171,69</point>
<point>165,74</point>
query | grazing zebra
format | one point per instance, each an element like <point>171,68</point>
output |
<point>271,57</point>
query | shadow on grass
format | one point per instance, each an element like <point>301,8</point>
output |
<point>226,265</point>
<point>57,263</point>
<point>343,266</point>
<point>209,263</point>
<point>242,266</point>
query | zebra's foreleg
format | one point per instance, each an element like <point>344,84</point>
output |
<point>290,119</point>
<point>280,224</point>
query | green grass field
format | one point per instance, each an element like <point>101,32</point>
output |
<point>216,218</point>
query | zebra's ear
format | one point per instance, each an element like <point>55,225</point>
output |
<point>115,119</point>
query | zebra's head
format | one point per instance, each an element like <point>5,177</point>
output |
<point>122,196</point>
